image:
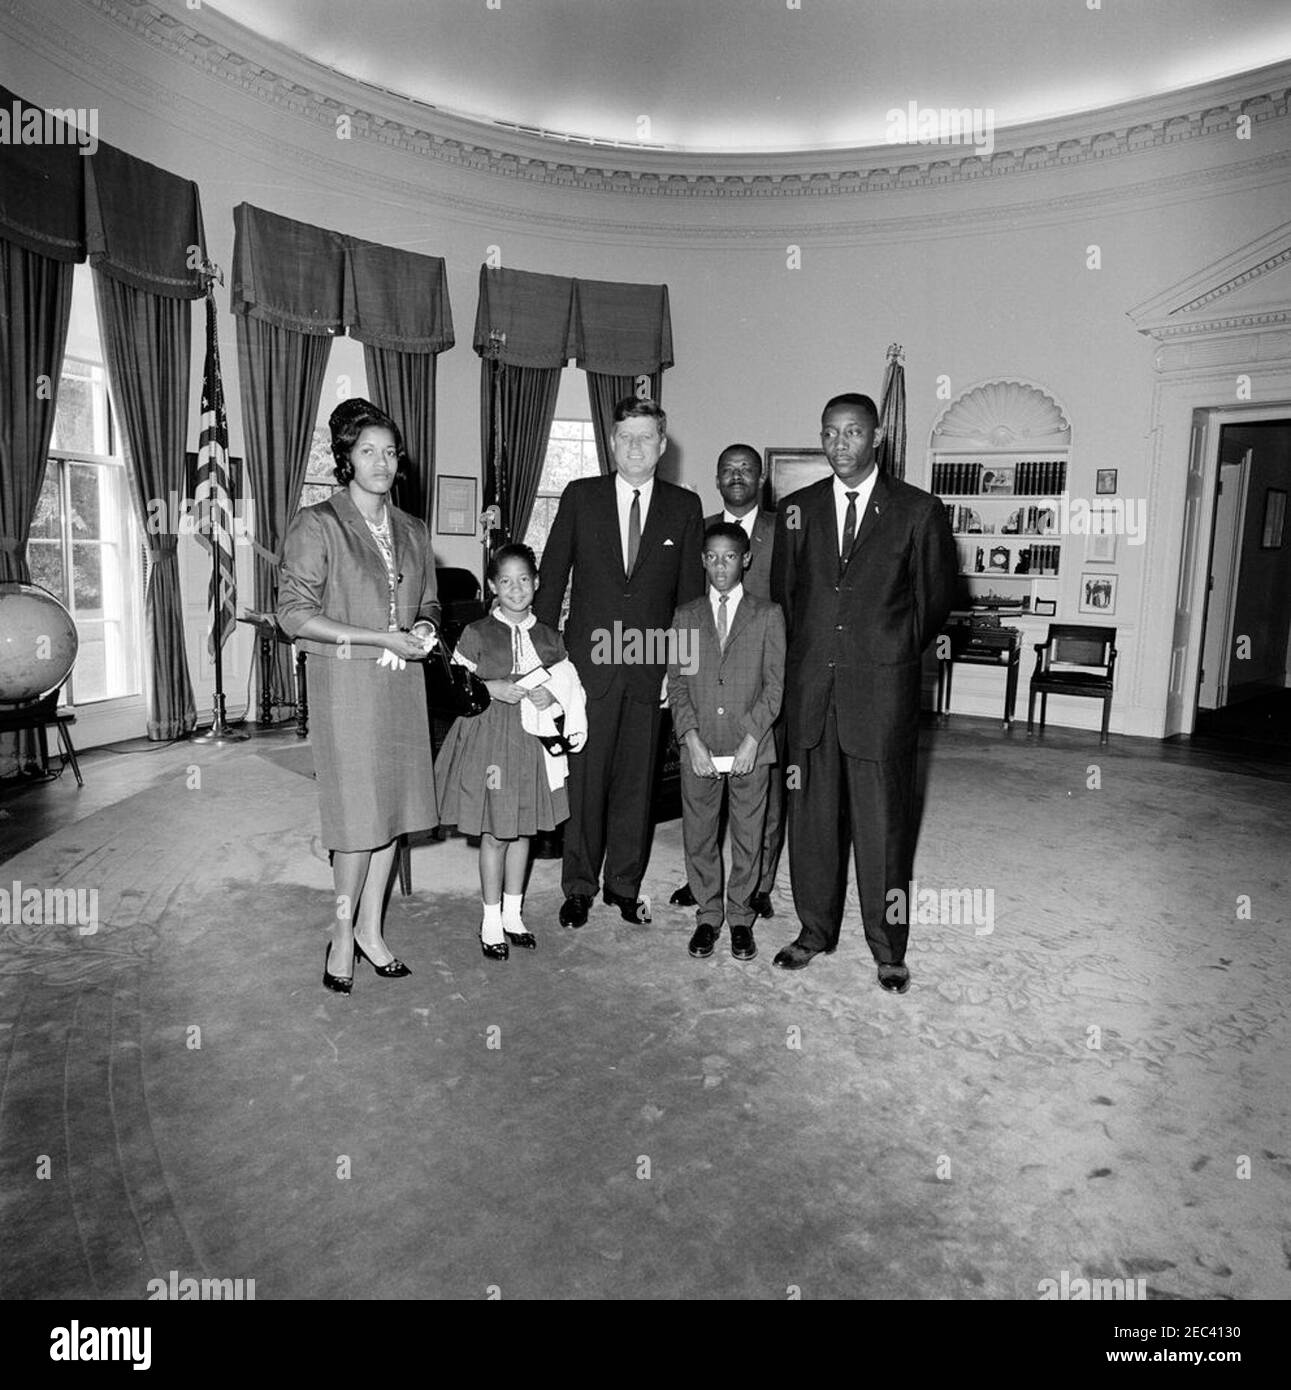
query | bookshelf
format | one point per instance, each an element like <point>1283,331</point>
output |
<point>1003,509</point>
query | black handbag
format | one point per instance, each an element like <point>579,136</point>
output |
<point>451,689</point>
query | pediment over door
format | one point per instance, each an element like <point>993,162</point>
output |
<point>1243,294</point>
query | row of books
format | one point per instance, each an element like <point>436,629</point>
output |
<point>1030,478</point>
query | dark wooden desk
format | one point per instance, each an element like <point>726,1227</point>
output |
<point>975,645</point>
<point>270,636</point>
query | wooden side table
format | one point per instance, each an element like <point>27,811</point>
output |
<point>980,646</point>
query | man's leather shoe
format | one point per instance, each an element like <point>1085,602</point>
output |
<point>704,939</point>
<point>796,956</point>
<point>574,910</point>
<point>743,947</point>
<point>633,909</point>
<point>683,897</point>
<point>761,904</point>
<point>894,978</point>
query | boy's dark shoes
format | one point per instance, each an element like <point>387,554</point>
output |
<point>761,904</point>
<point>683,897</point>
<point>743,947</point>
<point>796,956</point>
<point>704,939</point>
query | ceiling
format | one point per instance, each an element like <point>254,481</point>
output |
<point>732,75</point>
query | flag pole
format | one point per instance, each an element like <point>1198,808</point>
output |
<point>221,731</point>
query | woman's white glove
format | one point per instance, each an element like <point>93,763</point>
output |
<point>395,663</point>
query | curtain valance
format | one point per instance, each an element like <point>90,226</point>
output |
<point>605,326</point>
<point>295,275</point>
<point>65,199</point>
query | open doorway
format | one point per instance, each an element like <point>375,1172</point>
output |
<point>1243,689</point>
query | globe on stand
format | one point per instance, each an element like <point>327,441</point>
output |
<point>38,643</point>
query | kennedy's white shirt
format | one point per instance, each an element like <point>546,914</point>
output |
<point>623,491</point>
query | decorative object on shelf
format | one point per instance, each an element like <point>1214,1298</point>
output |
<point>998,562</point>
<point>456,511</point>
<point>1275,514</point>
<point>790,469</point>
<point>1045,607</point>
<point>1105,481</point>
<point>999,479</point>
<point>1098,593</point>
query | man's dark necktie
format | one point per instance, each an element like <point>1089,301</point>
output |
<point>849,532</point>
<point>634,530</point>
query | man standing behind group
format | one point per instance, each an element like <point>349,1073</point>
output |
<point>864,567</point>
<point>632,544</point>
<point>739,481</point>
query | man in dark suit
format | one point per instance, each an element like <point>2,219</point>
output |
<point>864,567</point>
<point>632,544</point>
<point>739,481</point>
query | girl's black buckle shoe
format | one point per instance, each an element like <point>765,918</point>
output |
<point>497,951</point>
<point>523,939</point>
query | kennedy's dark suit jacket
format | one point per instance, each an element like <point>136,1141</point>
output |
<point>861,637</point>
<point>584,541</point>
<point>757,578</point>
<point>733,690</point>
<point>332,566</point>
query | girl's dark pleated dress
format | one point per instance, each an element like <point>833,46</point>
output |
<point>491,775</point>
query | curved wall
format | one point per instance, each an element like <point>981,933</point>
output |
<point>788,277</point>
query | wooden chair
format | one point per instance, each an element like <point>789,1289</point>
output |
<point>1070,646</point>
<point>39,714</point>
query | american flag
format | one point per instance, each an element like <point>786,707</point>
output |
<point>212,495</point>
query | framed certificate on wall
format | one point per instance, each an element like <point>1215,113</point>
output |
<point>456,512</point>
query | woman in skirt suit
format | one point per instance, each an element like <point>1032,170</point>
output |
<point>356,591</point>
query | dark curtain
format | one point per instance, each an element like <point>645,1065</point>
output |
<point>891,450</point>
<point>146,341</point>
<point>605,390</point>
<point>403,385</point>
<point>35,309</point>
<point>520,403</point>
<point>280,382</point>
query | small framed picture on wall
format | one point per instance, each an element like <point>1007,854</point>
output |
<point>1098,593</point>
<point>790,469</point>
<point>1100,543</point>
<point>1045,607</point>
<point>1105,481</point>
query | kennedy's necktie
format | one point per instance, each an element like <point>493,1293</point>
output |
<point>721,621</point>
<point>634,530</point>
<point>849,531</point>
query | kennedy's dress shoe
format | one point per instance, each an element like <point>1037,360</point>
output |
<point>894,978</point>
<point>342,984</point>
<point>704,939</point>
<point>574,910</point>
<point>761,904</point>
<point>796,956</point>
<point>522,939</point>
<point>632,909</point>
<point>393,969</point>
<point>683,897</point>
<point>743,947</point>
<point>496,950</point>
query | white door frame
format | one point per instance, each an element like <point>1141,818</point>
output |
<point>1224,575</point>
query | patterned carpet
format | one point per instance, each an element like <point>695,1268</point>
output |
<point>1083,1087</point>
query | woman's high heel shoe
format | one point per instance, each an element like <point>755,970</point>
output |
<point>393,969</point>
<point>342,984</point>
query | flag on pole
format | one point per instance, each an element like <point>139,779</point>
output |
<point>213,492</point>
<point>891,450</point>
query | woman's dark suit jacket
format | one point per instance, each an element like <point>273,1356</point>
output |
<point>332,567</point>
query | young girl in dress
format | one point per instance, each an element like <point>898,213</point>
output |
<point>496,777</point>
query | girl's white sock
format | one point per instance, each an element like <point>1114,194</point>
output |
<point>511,912</point>
<point>491,927</point>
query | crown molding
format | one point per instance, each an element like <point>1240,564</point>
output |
<point>312,92</point>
